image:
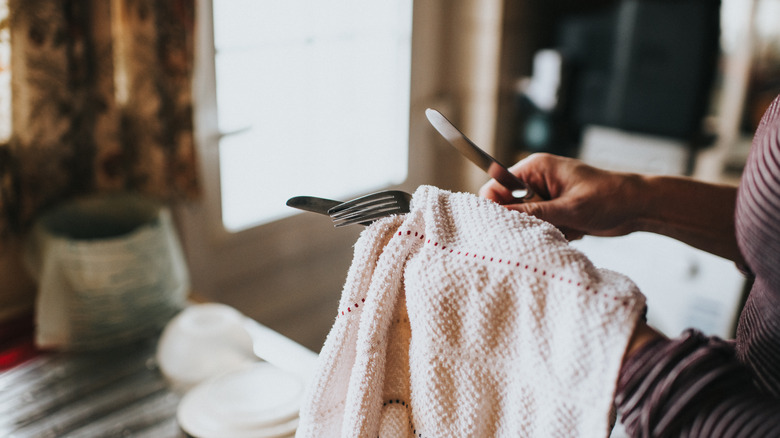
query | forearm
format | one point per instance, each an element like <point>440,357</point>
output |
<point>697,213</point>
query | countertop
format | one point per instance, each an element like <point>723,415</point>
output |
<point>111,393</point>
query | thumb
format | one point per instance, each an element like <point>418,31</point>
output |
<point>549,211</point>
<point>553,212</point>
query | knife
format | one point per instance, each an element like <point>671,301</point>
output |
<point>494,169</point>
<point>311,203</point>
<point>314,204</point>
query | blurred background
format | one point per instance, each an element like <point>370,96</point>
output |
<point>327,98</point>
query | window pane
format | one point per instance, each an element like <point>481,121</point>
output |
<point>319,91</point>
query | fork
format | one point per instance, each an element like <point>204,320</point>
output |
<point>370,207</point>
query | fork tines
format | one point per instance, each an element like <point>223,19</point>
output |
<point>371,207</point>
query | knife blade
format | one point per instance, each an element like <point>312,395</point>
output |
<point>490,165</point>
<point>312,203</point>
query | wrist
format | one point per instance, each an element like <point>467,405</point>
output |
<point>642,334</point>
<point>635,203</point>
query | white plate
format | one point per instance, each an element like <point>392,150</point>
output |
<point>261,401</point>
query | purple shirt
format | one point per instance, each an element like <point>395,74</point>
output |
<point>707,387</point>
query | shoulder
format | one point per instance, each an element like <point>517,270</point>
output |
<point>770,120</point>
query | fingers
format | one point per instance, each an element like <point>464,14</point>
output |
<point>530,170</point>
<point>496,192</point>
<point>550,176</point>
<point>553,212</point>
<point>581,199</point>
<point>545,210</point>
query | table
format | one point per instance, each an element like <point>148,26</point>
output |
<point>116,393</point>
<point>112,393</point>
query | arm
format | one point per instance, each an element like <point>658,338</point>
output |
<point>693,386</point>
<point>690,386</point>
<point>585,200</point>
<point>697,213</point>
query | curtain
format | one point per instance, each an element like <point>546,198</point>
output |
<point>95,96</point>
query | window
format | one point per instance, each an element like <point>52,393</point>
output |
<point>314,96</point>
<point>256,82</point>
<point>287,272</point>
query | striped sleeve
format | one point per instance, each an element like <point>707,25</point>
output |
<point>696,386</point>
<point>757,217</point>
<point>693,387</point>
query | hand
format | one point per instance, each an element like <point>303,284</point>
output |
<point>580,199</point>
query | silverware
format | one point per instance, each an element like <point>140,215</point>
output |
<point>370,207</point>
<point>494,169</point>
<point>313,204</point>
<point>362,210</point>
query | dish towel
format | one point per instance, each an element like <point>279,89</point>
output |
<point>465,319</point>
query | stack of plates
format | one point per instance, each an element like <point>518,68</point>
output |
<point>261,401</point>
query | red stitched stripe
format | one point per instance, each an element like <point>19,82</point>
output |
<point>625,303</point>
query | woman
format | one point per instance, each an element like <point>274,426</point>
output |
<point>692,385</point>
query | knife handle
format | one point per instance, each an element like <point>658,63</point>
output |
<point>520,190</point>
<point>528,196</point>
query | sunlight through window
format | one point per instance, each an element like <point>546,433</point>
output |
<point>313,99</point>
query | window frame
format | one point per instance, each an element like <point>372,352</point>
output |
<point>302,257</point>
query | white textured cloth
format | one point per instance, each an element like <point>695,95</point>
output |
<point>465,319</point>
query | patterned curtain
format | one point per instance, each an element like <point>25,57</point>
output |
<point>95,96</point>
